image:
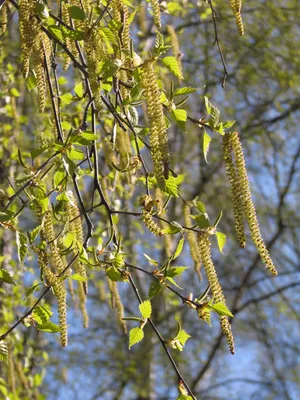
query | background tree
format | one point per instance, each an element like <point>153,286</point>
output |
<point>92,137</point>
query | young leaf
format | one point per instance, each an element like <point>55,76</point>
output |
<point>31,290</point>
<point>172,65</point>
<point>173,282</point>
<point>183,336</point>
<point>154,289</point>
<point>41,314</point>
<point>169,186</point>
<point>5,277</point>
<point>221,238</point>
<point>206,143</point>
<point>3,352</point>
<point>176,271</point>
<point>135,336</point>
<point>56,32</point>
<point>202,220</point>
<point>184,90</point>
<point>48,327</point>
<point>76,13</point>
<point>22,246</point>
<point>77,277</point>
<point>221,309</point>
<point>178,248</point>
<point>180,117</point>
<point>146,309</point>
<point>79,90</point>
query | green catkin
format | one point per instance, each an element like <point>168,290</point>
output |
<point>175,47</point>
<point>247,202</point>
<point>61,295</point>
<point>158,132</point>
<point>109,153</point>
<point>205,254</point>
<point>123,146</point>
<point>51,241</point>
<point>191,239</point>
<point>147,204</point>
<point>236,6</point>
<point>116,303</point>
<point>235,191</point>
<point>156,13</point>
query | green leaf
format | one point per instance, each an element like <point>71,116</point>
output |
<point>135,336</point>
<point>14,92</point>
<point>184,90</point>
<point>176,271</point>
<point>48,327</point>
<point>172,65</point>
<point>58,177</point>
<point>89,136</point>
<point>3,352</point>
<point>22,241</point>
<point>79,90</point>
<point>173,228</point>
<point>202,220</point>
<point>146,309</point>
<point>154,289</point>
<point>76,13</point>
<point>31,290</point>
<point>206,143</point>
<point>221,309</point>
<point>228,124</point>
<point>114,274</point>
<point>77,277</point>
<point>200,206</point>
<point>221,238</point>
<point>75,154</point>
<point>34,233</point>
<point>178,248</point>
<point>66,98</point>
<point>169,186</point>
<point>173,282</point>
<point>180,117</point>
<point>6,216</point>
<point>6,277</point>
<point>183,336</point>
<point>151,261</point>
<point>41,314</point>
<point>56,32</point>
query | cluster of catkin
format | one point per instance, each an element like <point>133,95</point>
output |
<point>241,196</point>
<point>236,6</point>
<point>158,132</point>
<point>35,46</point>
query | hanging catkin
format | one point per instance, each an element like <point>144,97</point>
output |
<point>175,47</point>
<point>147,203</point>
<point>246,199</point>
<point>158,132</point>
<point>156,13</point>
<point>236,6</point>
<point>236,194</point>
<point>205,254</point>
<point>192,241</point>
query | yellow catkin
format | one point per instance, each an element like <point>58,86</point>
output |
<point>205,254</point>
<point>156,13</point>
<point>235,191</point>
<point>51,241</point>
<point>116,303</point>
<point>236,6</point>
<point>247,202</point>
<point>123,146</point>
<point>95,53</point>
<point>61,295</point>
<point>29,31</point>
<point>175,47</point>
<point>3,18</point>
<point>147,203</point>
<point>158,132</point>
<point>191,239</point>
<point>75,226</point>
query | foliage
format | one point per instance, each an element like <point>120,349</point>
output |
<point>94,178</point>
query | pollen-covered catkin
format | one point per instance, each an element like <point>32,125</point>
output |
<point>191,239</point>
<point>156,13</point>
<point>116,303</point>
<point>51,241</point>
<point>235,190</point>
<point>3,18</point>
<point>205,254</point>
<point>236,6</point>
<point>61,295</point>
<point>158,132</point>
<point>248,205</point>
